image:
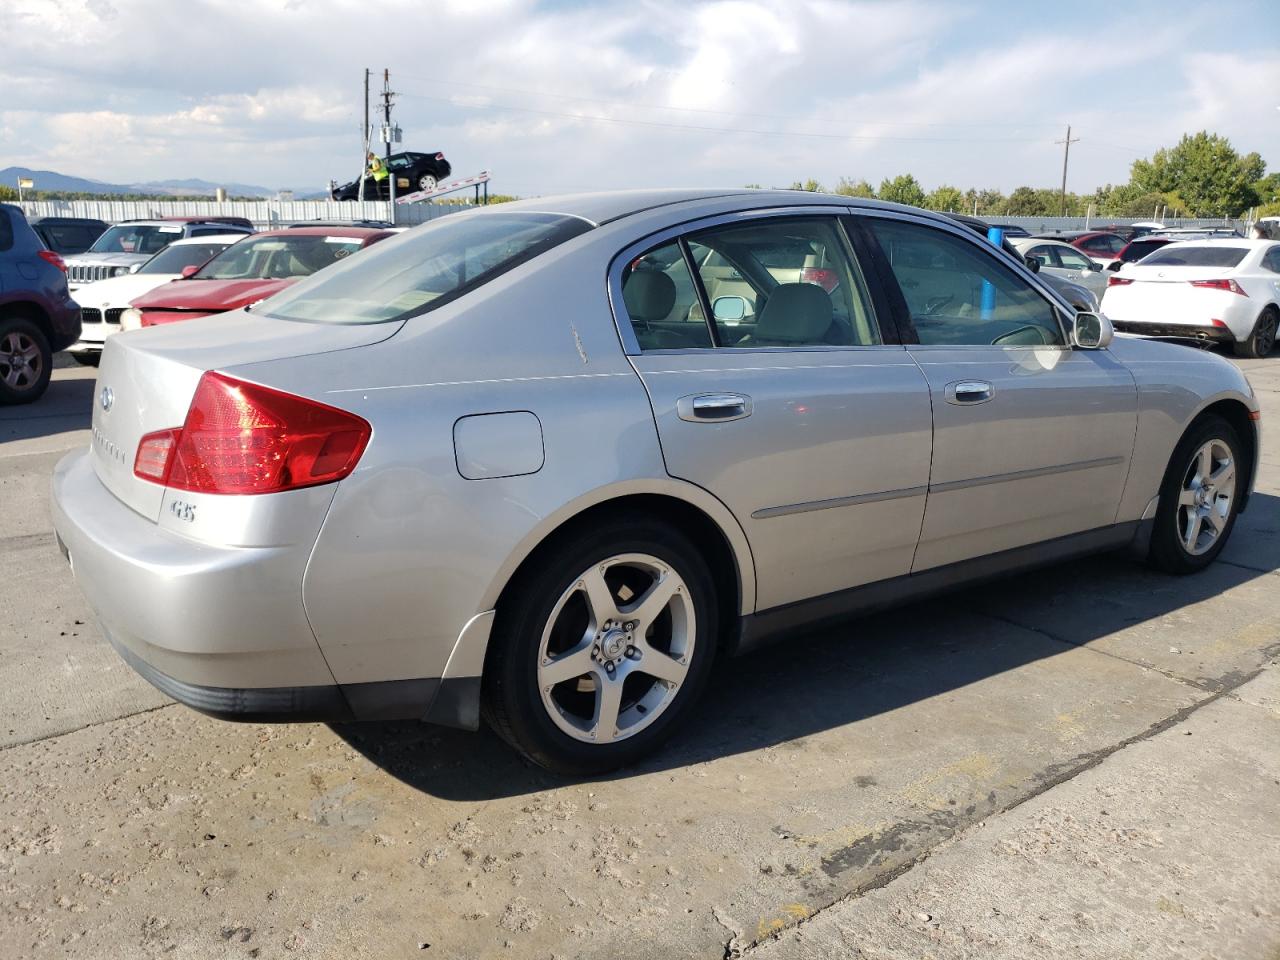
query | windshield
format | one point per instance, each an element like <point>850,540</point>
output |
<point>174,259</point>
<point>1187,255</point>
<point>136,238</point>
<point>425,268</point>
<point>262,258</point>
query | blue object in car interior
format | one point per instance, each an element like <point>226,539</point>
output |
<point>996,236</point>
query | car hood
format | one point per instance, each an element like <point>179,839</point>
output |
<point>120,291</point>
<point>108,259</point>
<point>211,296</point>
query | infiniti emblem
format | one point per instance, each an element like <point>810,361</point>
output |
<point>106,398</point>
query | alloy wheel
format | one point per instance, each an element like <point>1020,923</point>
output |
<point>1206,497</point>
<point>20,362</point>
<point>1265,337</point>
<point>616,648</point>
<point>426,182</point>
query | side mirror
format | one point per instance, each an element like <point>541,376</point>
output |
<point>1095,267</point>
<point>190,270</point>
<point>1092,331</point>
<point>1034,264</point>
<point>729,309</point>
<point>1115,265</point>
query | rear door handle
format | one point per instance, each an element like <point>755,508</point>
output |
<point>713,407</point>
<point>969,391</point>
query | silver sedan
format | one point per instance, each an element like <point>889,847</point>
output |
<point>550,460</point>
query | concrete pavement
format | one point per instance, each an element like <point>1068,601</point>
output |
<point>944,759</point>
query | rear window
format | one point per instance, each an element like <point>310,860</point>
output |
<point>424,269</point>
<point>68,238</point>
<point>1189,255</point>
<point>1141,248</point>
<point>175,258</point>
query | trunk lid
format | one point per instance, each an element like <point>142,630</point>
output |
<point>146,381</point>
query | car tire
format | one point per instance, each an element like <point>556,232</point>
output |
<point>25,361</point>
<point>1262,339</point>
<point>1179,543</point>
<point>563,720</point>
<point>427,182</point>
<point>87,359</point>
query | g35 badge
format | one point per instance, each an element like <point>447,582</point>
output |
<point>183,510</point>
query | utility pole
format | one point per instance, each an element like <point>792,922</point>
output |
<point>364,138</point>
<point>1066,153</point>
<point>387,135</point>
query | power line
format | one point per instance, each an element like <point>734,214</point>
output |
<point>722,113</point>
<point>715,129</point>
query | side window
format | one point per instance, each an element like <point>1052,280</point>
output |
<point>662,303</point>
<point>957,293</point>
<point>6,230</point>
<point>1272,260</point>
<point>1048,256</point>
<point>783,283</point>
<point>1072,260</point>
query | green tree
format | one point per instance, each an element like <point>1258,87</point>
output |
<point>1205,171</point>
<point>1024,202</point>
<point>902,189</point>
<point>946,199</point>
<point>1267,190</point>
<point>855,188</point>
<point>811,185</point>
<point>7,193</point>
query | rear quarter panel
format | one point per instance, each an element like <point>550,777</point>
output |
<point>411,550</point>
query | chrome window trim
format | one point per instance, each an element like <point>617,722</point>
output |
<point>622,322</point>
<point>1057,303</point>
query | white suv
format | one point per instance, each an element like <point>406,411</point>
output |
<point>133,242</point>
<point>103,303</point>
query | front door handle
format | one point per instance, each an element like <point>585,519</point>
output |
<point>969,391</point>
<point>713,407</point>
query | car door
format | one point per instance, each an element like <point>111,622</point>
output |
<point>791,405</point>
<point>1075,267</point>
<point>1032,438</point>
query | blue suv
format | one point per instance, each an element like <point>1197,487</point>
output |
<point>37,314</point>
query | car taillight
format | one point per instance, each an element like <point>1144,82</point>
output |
<point>439,156</point>
<point>48,256</point>
<point>1119,281</point>
<point>244,438</point>
<point>828,280</point>
<point>1229,285</point>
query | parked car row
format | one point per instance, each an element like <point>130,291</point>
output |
<point>138,273</point>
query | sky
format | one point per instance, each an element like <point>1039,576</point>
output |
<point>552,97</point>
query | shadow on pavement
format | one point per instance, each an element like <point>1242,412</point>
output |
<point>855,670</point>
<point>66,406</point>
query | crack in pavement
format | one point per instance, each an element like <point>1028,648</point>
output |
<point>86,726</point>
<point>1052,776</point>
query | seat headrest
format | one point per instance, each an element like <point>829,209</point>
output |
<point>649,295</point>
<point>795,313</point>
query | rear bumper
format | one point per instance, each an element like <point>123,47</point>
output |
<point>64,318</point>
<point>221,629</point>
<point>1181,331</point>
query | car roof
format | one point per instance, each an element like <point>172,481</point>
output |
<point>210,238</point>
<point>605,207</point>
<point>49,218</point>
<point>355,233</point>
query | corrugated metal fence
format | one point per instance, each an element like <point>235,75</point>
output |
<point>265,214</point>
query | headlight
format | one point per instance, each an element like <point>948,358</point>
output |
<point>119,271</point>
<point>131,319</point>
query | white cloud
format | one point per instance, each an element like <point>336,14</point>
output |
<point>270,91</point>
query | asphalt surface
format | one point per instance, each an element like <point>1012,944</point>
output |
<point>1083,761</point>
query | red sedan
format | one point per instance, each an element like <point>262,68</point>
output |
<point>249,271</point>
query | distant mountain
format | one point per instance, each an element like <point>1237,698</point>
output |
<point>51,180</point>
